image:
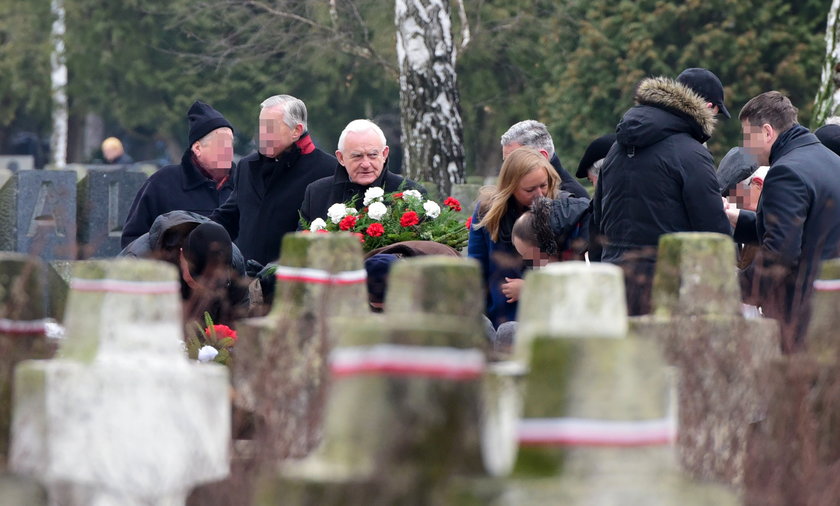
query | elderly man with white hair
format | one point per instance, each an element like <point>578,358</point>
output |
<point>362,163</point>
<point>269,184</point>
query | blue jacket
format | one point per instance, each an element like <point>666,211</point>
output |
<point>498,259</point>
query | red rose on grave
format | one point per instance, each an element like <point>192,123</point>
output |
<point>468,224</point>
<point>453,204</point>
<point>347,223</point>
<point>375,230</point>
<point>222,331</point>
<point>360,236</point>
<point>409,218</point>
<point>397,195</point>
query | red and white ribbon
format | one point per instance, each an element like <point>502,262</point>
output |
<point>585,432</point>
<point>23,327</point>
<point>319,276</point>
<point>827,285</point>
<point>124,286</point>
<point>401,360</point>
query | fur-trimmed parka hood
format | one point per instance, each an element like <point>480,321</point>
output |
<point>665,107</point>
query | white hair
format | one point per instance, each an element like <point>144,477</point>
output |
<point>595,169</point>
<point>360,125</point>
<point>834,120</point>
<point>294,110</point>
<point>529,133</point>
<point>206,139</point>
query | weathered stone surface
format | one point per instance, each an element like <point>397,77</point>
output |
<point>280,370</point>
<point>719,389</point>
<point>695,275</point>
<point>105,195</point>
<point>122,417</point>
<point>467,195</point>
<point>18,491</point>
<point>38,214</point>
<point>821,338</point>
<point>24,306</point>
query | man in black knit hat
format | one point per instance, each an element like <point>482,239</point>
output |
<point>200,183</point>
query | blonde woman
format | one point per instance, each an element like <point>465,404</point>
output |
<point>525,175</point>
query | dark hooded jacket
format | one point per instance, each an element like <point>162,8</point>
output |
<point>338,188</point>
<point>268,193</point>
<point>564,232</point>
<point>174,187</point>
<point>798,225</point>
<point>658,178</point>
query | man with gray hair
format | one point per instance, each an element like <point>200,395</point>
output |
<point>362,163</point>
<point>535,135</point>
<point>269,184</point>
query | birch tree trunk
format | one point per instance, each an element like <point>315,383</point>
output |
<point>432,131</point>
<point>828,97</point>
<point>58,64</point>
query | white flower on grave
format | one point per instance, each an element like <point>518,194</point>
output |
<point>377,210</point>
<point>336,212</point>
<point>432,209</point>
<point>350,210</point>
<point>317,224</point>
<point>413,193</point>
<point>373,194</point>
<point>207,353</point>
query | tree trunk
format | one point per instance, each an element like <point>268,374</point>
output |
<point>432,131</point>
<point>58,141</point>
<point>828,97</point>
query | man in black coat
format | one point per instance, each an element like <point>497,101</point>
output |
<point>797,222</point>
<point>269,184</point>
<point>362,163</point>
<point>533,134</point>
<point>200,183</point>
<point>658,178</point>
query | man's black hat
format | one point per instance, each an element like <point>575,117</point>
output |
<point>706,84</point>
<point>596,150</point>
<point>204,119</point>
<point>829,135</point>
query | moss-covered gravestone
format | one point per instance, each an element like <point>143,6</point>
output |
<point>405,394</point>
<point>25,310</point>
<point>599,414</point>
<point>281,369</point>
<point>718,353</point>
<point>122,416</point>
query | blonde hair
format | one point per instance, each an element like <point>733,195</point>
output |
<point>496,199</point>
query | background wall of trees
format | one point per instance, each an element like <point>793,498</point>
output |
<point>138,64</point>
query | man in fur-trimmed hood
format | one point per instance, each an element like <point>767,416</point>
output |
<point>658,177</point>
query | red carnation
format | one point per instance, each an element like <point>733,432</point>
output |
<point>468,224</point>
<point>375,230</point>
<point>453,204</point>
<point>409,218</point>
<point>398,195</point>
<point>347,223</point>
<point>222,331</point>
<point>322,231</point>
<point>360,236</point>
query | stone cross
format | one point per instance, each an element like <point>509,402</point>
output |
<point>121,417</point>
<point>38,214</point>
<point>599,407</point>
<point>405,397</point>
<point>718,353</point>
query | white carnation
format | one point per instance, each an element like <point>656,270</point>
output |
<point>207,353</point>
<point>336,212</point>
<point>432,209</point>
<point>373,194</point>
<point>317,224</point>
<point>413,193</point>
<point>350,210</point>
<point>377,210</point>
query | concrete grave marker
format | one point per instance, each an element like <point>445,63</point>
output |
<point>38,214</point>
<point>105,196</point>
<point>122,417</point>
<point>16,163</point>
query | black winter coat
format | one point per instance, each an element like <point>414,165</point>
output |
<point>174,187</point>
<point>798,225</point>
<point>338,188</point>
<point>567,182</point>
<point>658,178</point>
<point>258,214</point>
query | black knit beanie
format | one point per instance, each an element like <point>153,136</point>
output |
<point>829,135</point>
<point>204,119</point>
